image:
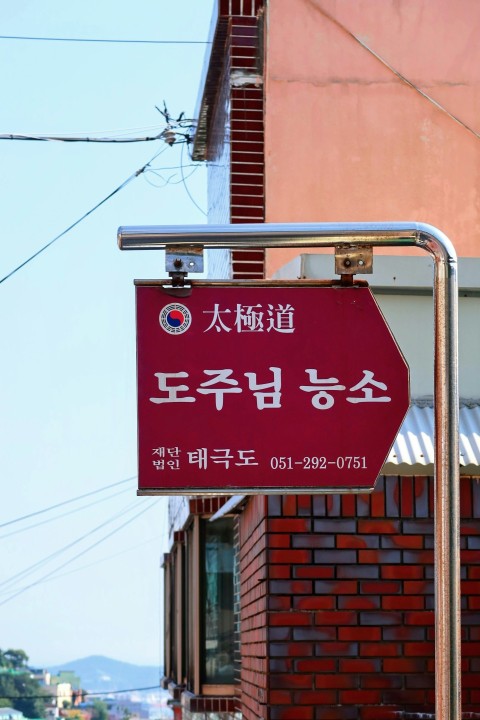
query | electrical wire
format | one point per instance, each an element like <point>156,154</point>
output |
<point>35,566</point>
<point>77,222</point>
<point>66,514</point>
<point>168,181</point>
<point>396,72</point>
<point>186,187</point>
<point>73,139</point>
<point>106,40</point>
<point>105,559</point>
<point>84,693</point>
<point>80,554</point>
<point>67,502</point>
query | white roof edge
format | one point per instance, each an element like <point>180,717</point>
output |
<point>230,505</point>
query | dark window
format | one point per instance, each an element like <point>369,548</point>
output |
<point>217,617</point>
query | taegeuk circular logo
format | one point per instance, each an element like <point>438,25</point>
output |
<point>175,318</point>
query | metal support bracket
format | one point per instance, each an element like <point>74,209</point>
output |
<point>180,260</point>
<point>353,260</point>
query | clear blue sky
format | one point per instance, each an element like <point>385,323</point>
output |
<point>67,366</point>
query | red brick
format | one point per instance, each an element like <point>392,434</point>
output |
<point>304,503</point>
<point>382,712</point>
<point>379,527</point>
<point>357,541</point>
<point>289,618</point>
<point>279,602</point>
<point>348,506</point>
<point>419,649</point>
<point>359,633</point>
<point>314,572</point>
<point>358,602</point>
<point>289,503</point>
<point>414,587</point>
<point>279,572</point>
<point>406,500</point>
<point>404,665</point>
<point>359,665</point>
<point>403,602</point>
<point>471,649</point>
<point>378,501</point>
<point>291,587</point>
<point>381,650</point>
<point>315,665</point>
<point>290,556</point>
<point>402,572</point>
<point>327,682</point>
<point>420,618</point>
<point>291,713</point>
<point>379,557</point>
<point>403,541</point>
<point>336,713</point>
<point>360,697</point>
<point>289,525</point>
<point>380,588</point>
<point>382,681</point>
<point>337,649</point>
<point>278,541</point>
<point>336,617</point>
<point>336,587</point>
<point>315,697</point>
<point>280,697</point>
<point>314,602</point>
<point>287,681</point>
<point>291,649</point>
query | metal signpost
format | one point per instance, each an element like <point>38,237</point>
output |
<point>353,242</point>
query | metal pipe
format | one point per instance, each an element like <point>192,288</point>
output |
<point>447,476</point>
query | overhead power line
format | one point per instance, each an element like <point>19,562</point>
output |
<point>396,72</point>
<point>75,557</point>
<point>13,580</point>
<point>84,216</point>
<point>67,502</point>
<point>63,515</point>
<point>105,40</point>
<point>82,692</point>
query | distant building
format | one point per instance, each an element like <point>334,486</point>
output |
<point>11,714</point>
<point>8,713</point>
<point>128,709</point>
<point>66,676</point>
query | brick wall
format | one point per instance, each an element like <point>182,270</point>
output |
<point>236,133</point>
<point>337,605</point>
<point>253,618</point>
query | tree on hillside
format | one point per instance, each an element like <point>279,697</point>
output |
<point>18,689</point>
<point>99,710</point>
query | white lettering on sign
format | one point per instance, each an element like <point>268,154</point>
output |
<point>252,318</point>
<point>171,390</point>
<point>222,383</point>
<point>367,391</point>
<point>202,457</point>
<point>323,399</point>
<point>222,376</point>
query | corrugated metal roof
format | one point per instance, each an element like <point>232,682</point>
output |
<point>413,451</point>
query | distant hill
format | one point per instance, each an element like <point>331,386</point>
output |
<point>102,674</point>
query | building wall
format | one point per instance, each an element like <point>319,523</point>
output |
<point>336,592</point>
<point>337,603</point>
<point>346,139</point>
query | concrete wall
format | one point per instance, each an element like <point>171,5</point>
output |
<point>347,140</point>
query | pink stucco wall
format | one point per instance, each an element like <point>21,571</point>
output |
<point>347,140</point>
